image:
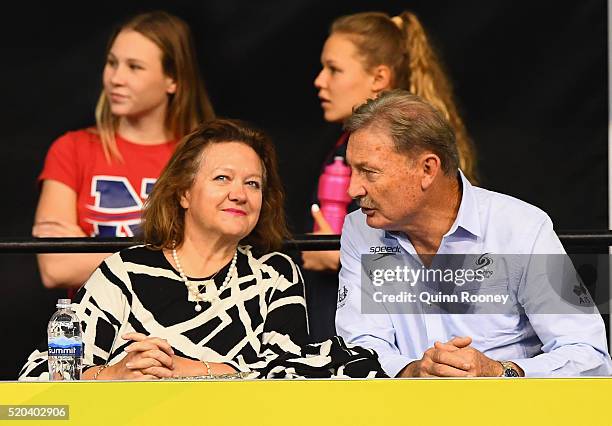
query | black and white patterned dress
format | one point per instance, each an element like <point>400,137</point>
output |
<point>257,325</point>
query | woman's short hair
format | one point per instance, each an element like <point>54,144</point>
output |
<point>163,216</point>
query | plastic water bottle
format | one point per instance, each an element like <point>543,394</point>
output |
<point>332,193</point>
<point>65,343</point>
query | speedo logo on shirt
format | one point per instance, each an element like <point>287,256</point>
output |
<point>384,249</point>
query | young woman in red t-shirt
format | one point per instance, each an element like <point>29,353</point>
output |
<point>95,180</point>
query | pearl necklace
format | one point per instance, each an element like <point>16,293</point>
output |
<point>194,293</point>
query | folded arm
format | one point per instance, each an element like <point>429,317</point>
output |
<point>56,216</point>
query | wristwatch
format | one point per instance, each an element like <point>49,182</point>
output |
<point>509,370</point>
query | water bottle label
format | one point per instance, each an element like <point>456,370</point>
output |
<point>63,346</point>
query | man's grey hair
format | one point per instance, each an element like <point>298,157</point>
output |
<point>413,125</point>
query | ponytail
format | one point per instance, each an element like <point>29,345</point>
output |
<point>427,79</point>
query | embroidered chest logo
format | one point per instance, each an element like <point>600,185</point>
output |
<point>384,251</point>
<point>482,263</point>
<point>583,294</point>
<point>342,293</point>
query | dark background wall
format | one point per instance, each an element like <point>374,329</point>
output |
<point>530,76</point>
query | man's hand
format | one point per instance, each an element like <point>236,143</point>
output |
<point>480,364</point>
<point>455,358</point>
<point>440,363</point>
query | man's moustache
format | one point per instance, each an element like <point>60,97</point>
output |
<point>366,204</point>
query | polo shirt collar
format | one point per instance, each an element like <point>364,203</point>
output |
<point>468,217</point>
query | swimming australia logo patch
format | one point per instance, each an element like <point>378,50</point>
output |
<point>482,262</point>
<point>583,294</point>
<point>342,293</point>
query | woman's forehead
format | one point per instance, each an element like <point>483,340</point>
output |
<point>132,45</point>
<point>232,155</point>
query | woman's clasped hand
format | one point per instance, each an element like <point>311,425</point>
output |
<point>147,358</point>
<point>152,358</point>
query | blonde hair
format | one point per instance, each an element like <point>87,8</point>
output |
<point>189,106</point>
<point>402,44</point>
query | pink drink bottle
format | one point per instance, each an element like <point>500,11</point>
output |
<point>332,193</point>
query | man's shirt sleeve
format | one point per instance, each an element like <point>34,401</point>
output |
<point>374,331</point>
<point>573,342</point>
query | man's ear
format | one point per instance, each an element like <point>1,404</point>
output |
<point>430,166</point>
<point>382,78</point>
<point>185,199</point>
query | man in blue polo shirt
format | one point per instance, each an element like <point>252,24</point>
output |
<point>416,204</point>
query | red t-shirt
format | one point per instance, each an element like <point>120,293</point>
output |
<point>109,195</point>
